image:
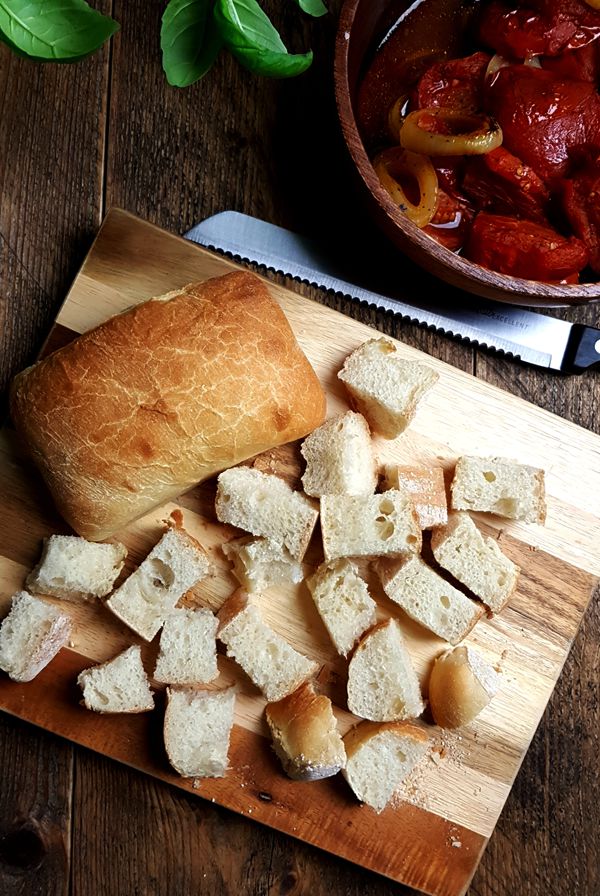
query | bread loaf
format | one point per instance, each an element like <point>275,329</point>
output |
<point>162,396</point>
<point>305,735</point>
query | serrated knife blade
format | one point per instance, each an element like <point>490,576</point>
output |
<point>525,335</point>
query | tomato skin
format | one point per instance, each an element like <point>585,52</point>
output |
<point>456,84</point>
<point>582,64</point>
<point>451,222</point>
<point>502,183</point>
<point>581,202</point>
<point>545,120</point>
<point>519,33</point>
<point>524,249</point>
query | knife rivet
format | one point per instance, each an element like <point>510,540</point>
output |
<point>597,346</point>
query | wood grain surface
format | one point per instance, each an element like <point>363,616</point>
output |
<point>75,139</point>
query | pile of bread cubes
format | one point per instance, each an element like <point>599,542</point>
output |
<point>385,527</point>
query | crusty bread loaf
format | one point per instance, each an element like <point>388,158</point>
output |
<point>461,685</point>
<point>305,735</point>
<point>119,685</point>
<point>339,458</point>
<point>499,485</point>
<point>172,567</point>
<point>266,658</point>
<point>426,488</point>
<point>188,648</point>
<point>343,601</point>
<point>75,569</point>
<point>31,635</point>
<point>260,563</point>
<point>384,387</point>
<point>197,730</point>
<point>380,755</point>
<point>263,504</point>
<point>162,396</point>
<point>428,598</point>
<point>475,560</point>
<point>369,525</point>
<point>382,683</point>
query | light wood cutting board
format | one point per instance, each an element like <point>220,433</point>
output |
<point>431,839</point>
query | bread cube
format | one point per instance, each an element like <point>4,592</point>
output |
<point>343,601</point>
<point>428,598</point>
<point>75,569</point>
<point>382,683</point>
<point>384,387</point>
<point>264,504</point>
<point>461,685</point>
<point>339,458</point>
<point>188,648</point>
<point>426,488</point>
<point>501,486</point>
<point>369,525</point>
<point>197,730</point>
<point>266,658</point>
<point>475,560</point>
<point>380,756</point>
<point>260,563</point>
<point>120,685</point>
<point>31,635</point>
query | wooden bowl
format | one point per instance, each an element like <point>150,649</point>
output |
<point>362,25</point>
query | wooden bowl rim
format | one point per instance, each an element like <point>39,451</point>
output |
<point>483,281</point>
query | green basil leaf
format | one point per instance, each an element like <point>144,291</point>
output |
<point>189,40</point>
<point>54,30</point>
<point>314,8</point>
<point>255,42</point>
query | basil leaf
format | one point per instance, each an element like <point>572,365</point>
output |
<point>189,41</point>
<point>314,8</point>
<point>54,30</point>
<point>255,42</point>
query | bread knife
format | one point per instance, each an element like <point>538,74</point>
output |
<point>523,335</point>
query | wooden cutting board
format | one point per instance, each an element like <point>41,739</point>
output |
<point>432,837</point>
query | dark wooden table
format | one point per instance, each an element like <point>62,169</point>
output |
<point>75,140</point>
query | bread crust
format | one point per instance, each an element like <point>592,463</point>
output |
<point>162,396</point>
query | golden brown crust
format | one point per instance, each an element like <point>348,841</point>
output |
<point>140,409</point>
<point>235,603</point>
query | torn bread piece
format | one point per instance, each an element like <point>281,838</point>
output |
<point>267,658</point>
<point>384,387</point>
<point>263,504</point>
<point>382,683</point>
<point>380,756</point>
<point>260,563</point>
<point>75,569</point>
<point>369,525</point>
<point>501,486</point>
<point>339,458</point>
<point>475,560</point>
<point>119,685</point>
<point>197,730</point>
<point>460,686</point>
<point>173,566</point>
<point>188,648</point>
<point>305,735</point>
<point>343,601</point>
<point>31,635</point>
<point>426,488</point>
<point>428,598</point>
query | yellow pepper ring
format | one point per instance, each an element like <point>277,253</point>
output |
<point>595,4</point>
<point>478,134</point>
<point>391,164</point>
<point>395,117</point>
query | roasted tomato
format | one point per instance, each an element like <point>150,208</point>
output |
<point>502,183</point>
<point>581,202</point>
<point>543,27</point>
<point>524,249</point>
<point>450,224</point>
<point>545,120</point>
<point>456,84</point>
<point>582,64</point>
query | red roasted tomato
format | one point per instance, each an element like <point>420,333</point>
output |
<point>581,200</point>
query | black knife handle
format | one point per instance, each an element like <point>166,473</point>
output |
<point>583,350</point>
